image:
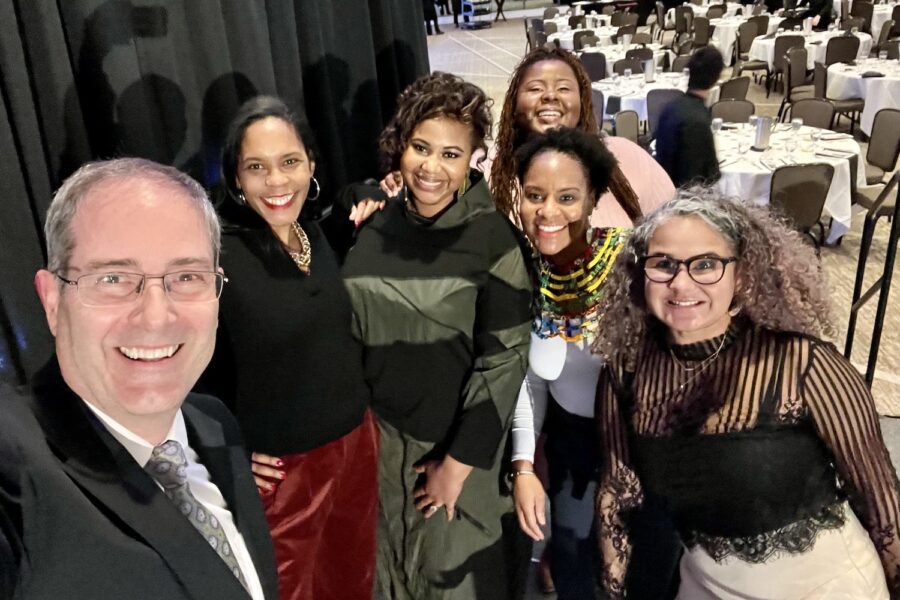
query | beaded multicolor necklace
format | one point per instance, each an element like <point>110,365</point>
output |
<point>567,303</point>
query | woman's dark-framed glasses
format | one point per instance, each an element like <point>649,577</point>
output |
<point>109,289</point>
<point>703,269</point>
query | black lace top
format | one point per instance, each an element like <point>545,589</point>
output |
<point>775,390</point>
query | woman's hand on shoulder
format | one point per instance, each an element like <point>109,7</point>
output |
<point>530,501</point>
<point>364,209</point>
<point>266,471</point>
<point>391,184</point>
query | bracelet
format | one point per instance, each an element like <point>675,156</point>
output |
<point>513,474</point>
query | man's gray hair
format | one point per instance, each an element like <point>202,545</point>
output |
<point>58,227</point>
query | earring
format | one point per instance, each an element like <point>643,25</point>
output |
<point>318,190</point>
<point>735,311</point>
<point>241,198</point>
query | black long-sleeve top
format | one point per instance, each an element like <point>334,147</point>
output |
<point>762,382</point>
<point>685,147</point>
<point>285,361</point>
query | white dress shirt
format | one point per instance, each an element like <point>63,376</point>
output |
<point>203,489</point>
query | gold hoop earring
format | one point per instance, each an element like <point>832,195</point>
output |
<point>318,190</point>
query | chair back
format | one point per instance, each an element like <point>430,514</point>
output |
<point>631,19</point>
<point>701,31</point>
<point>597,101</point>
<point>795,75</point>
<point>681,19</point>
<point>537,24</point>
<point>684,47</point>
<point>579,36</point>
<point>893,49</point>
<point>863,10</point>
<point>841,48</point>
<point>732,111</point>
<point>886,29</point>
<point>620,65</point>
<point>758,9</point>
<point>884,145</point>
<point>734,89</point>
<point>550,13</point>
<point>746,33</point>
<point>815,112</point>
<point>716,12</point>
<point>626,124</point>
<point>762,23</point>
<point>656,102</point>
<point>641,38</point>
<point>577,21</point>
<point>624,30</point>
<point>640,54</point>
<point>550,28</point>
<point>850,22</point>
<point>783,43</point>
<point>594,64</point>
<point>798,192</point>
<point>618,18</point>
<point>895,17</point>
<point>680,63</point>
<point>820,76</point>
<point>697,2</point>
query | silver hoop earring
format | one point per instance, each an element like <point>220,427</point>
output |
<point>241,197</point>
<point>318,190</point>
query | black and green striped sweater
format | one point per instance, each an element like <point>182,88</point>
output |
<point>443,309</point>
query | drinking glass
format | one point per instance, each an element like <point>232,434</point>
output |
<point>614,77</point>
<point>743,146</point>
<point>627,73</point>
<point>790,145</point>
<point>796,124</point>
<point>882,54</point>
<point>716,125</point>
<point>752,121</point>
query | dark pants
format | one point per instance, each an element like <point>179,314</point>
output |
<point>430,17</point>
<point>457,10</point>
<point>323,517</point>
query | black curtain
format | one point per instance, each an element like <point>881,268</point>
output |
<point>88,79</point>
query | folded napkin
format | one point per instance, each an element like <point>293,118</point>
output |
<point>872,74</point>
<point>827,137</point>
<point>831,154</point>
<point>839,150</point>
<point>816,43</point>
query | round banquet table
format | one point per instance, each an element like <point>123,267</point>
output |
<point>763,47</point>
<point>749,175</point>
<point>725,33</point>
<point>880,14</point>
<point>614,52</point>
<point>631,92</point>
<point>566,38</point>
<point>731,9</point>
<point>846,81</point>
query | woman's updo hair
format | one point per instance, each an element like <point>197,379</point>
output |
<point>585,148</point>
<point>431,96</point>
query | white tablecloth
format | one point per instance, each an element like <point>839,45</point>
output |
<point>731,9</point>
<point>750,176</point>
<point>763,48</point>
<point>614,52</point>
<point>632,91</point>
<point>591,21</point>
<point>845,81</point>
<point>725,33</point>
<point>881,14</point>
<point>566,38</point>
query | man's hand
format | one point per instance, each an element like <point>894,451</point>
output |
<point>444,481</point>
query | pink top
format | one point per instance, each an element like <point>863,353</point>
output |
<point>648,179</point>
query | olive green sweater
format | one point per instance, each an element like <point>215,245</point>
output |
<point>442,307</point>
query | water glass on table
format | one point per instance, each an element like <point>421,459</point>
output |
<point>627,73</point>
<point>796,124</point>
<point>716,125</point>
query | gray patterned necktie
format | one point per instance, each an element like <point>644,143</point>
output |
<point>168,466</point>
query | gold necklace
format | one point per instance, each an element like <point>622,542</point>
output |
<point>699,368</point>
<point>303,257</point>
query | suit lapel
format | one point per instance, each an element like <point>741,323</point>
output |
<point>104,470</point>
<point>229,469</point>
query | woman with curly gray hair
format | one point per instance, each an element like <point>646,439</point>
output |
<point>720,402</point>
<point>441,301</point>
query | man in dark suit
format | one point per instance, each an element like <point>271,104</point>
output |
<point>115,481</point>
<point>684,141</point>
<point>820,12</point>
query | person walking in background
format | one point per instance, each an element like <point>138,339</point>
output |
<point>684,141</point>
<point>430,17</point>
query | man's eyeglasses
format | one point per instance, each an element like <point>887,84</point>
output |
<point>109,289</point>
<point>705,269</point>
